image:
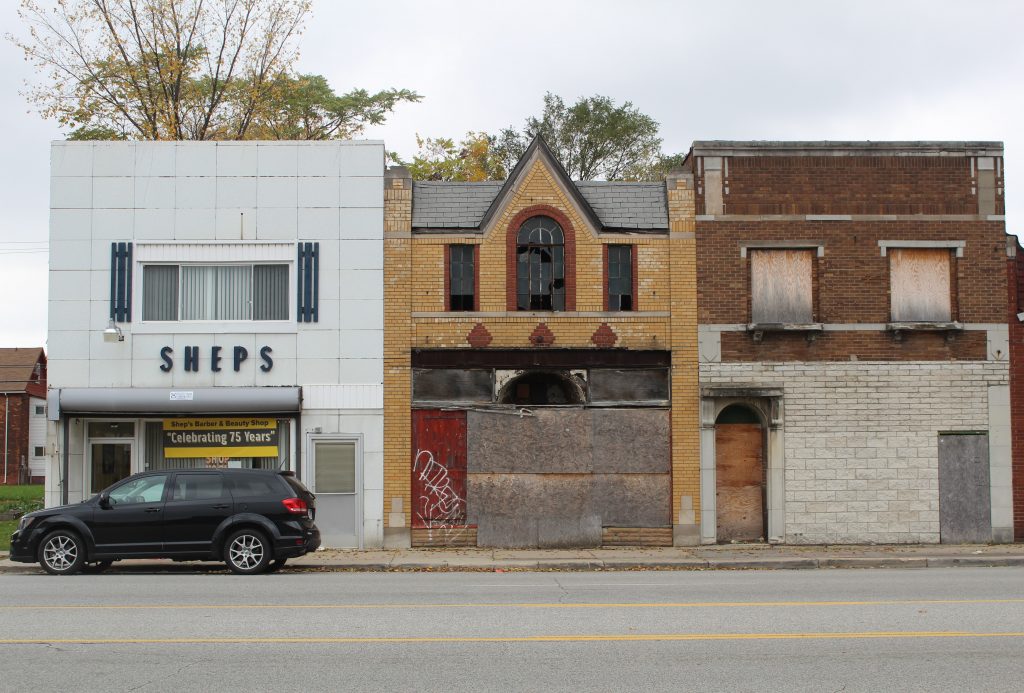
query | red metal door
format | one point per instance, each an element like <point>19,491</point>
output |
<point>438,468</point>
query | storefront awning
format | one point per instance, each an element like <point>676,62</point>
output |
<point>199,400</point>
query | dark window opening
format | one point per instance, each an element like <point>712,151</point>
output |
<point>737,414</point>
<point>620,277</point>
<point>39,451</point>
<point>541,388</point>
<point>540,265</point>
<point>461,277</point>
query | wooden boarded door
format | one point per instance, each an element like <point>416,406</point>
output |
<point>739,481</point>
<point>965,506</point>
<point>438,468</point>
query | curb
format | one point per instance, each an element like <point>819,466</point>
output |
<point>585,565</point>
<point>870,562</point>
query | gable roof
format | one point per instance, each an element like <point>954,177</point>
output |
<point>540,148</point>
<point>17,369</point>
<point>606,205</point>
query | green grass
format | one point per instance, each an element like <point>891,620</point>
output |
<point>20,499</point>
<point>26,492</point>
<point>7,528</point>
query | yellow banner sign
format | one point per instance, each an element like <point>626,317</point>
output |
<point>220,437</point>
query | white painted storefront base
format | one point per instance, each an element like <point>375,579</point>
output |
<point>860,445</point>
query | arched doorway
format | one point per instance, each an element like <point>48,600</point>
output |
<point>739,475</point>
<point>542,387</point>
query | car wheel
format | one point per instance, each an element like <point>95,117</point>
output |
<point>247,552</point>
<point>61,552</point>
<point>277,564</point>
<point>96,567</point>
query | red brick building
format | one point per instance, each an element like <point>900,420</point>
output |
<point>1015,285</point>
<point>22,415</point>
<point>855,377</point>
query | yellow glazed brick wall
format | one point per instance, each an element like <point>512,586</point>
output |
<point>685,389</point>
<point>397,335</point>
<point>665,319</point>
<point>514,331</point>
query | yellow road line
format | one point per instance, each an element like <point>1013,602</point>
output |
<point>510,639</point>
<point>509,605</point>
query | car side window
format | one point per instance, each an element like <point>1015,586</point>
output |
<point>197,487</point>
<point>147,489</point>
<point>252,486</point>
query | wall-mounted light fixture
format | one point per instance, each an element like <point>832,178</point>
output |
<point>113,333</point>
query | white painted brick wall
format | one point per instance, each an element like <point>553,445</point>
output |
<point>861,441</point>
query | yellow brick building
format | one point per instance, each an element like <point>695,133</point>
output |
<point>540,360</point>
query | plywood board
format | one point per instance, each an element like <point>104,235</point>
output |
<point>965,506</point>
<point>739,482</point>
<point>781,288</point>
<point>919,284</point>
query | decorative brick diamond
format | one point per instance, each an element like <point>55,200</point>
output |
<point>479,337</point>
<point>604,336</point>
<point>542,335</point>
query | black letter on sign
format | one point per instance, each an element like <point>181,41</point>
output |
<point>215,359</point>
<point>165,354</point>
<point>268,362</point>
<point>192,359</point>
<point>241,354</point>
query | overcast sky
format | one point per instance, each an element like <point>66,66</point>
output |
<point>866,70</point>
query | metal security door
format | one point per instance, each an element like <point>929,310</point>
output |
<point>337,483</point>
<point>965,506</point>
<point>438,468</point>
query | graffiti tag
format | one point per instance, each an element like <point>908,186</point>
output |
<point>440,506</point>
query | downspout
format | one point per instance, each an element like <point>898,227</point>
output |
<point>64,465</point>
<point>7,442</point>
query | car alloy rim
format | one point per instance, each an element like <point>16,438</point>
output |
<point>60,553</point>
<point>246,552</point>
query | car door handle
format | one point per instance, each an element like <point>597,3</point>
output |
<point>220,507</point>
<point>152,510</point>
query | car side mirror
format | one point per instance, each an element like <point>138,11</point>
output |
<point>105,501</point>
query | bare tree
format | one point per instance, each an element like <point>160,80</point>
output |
<point>183,69</point>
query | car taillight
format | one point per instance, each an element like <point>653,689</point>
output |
<point>296,506</point>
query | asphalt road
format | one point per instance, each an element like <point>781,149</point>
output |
<point>822,630</point>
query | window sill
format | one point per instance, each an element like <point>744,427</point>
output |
<point>898,328</point>
<point>811,329</point>
<point>214,327</point>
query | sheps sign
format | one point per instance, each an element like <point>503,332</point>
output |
<point>192,359</point>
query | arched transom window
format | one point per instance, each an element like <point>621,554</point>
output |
<point>540,265</point>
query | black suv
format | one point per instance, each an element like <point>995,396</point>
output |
<point>253,520</point>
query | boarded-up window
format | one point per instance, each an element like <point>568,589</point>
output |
<point>451,385</point>
<point>629,385</point>
<point>919,284</point>
<point>780,286</point>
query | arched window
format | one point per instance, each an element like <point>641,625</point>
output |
<point>540,265</point>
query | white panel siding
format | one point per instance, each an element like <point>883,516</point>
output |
<point>37,437</point>
<point>243,251</point>
<point>369,396</point>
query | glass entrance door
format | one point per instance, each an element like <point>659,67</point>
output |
<point>111,462</point>
<point>336,483</point>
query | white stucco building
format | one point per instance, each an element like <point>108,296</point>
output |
<point>219,304</point>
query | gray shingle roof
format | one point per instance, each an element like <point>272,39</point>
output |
<point>438,205</point>
<point>627,205</point>
<point>441,205</point>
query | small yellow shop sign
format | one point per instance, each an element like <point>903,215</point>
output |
<point>220,437</point>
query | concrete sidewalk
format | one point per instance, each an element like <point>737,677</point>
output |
<point>727,557</point>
